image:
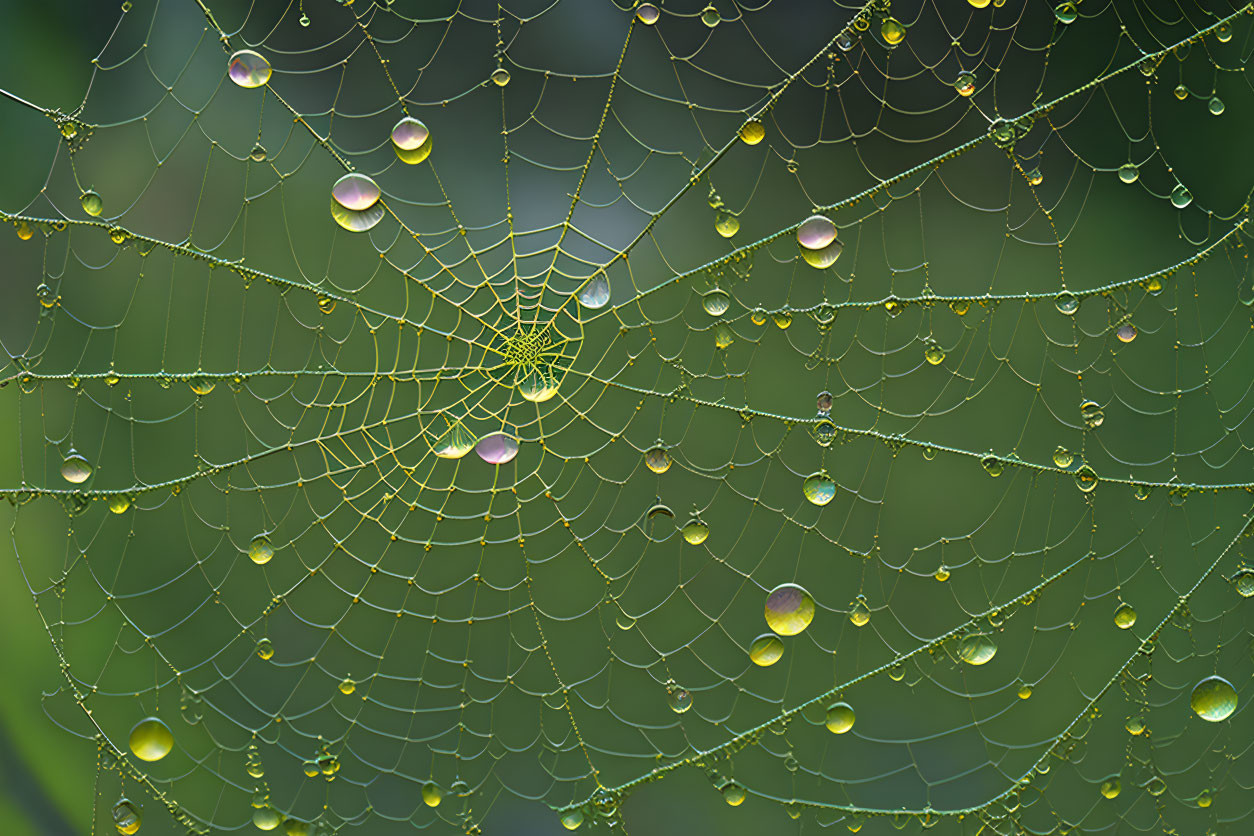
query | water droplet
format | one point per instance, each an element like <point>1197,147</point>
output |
<point>965,84</point>
<point>1156,786</point>
<point>758,316</point>
<point>816,232</point>
<point>824,433</point>
<point>295,827</point>
<point>260,550</point>
<point>840,718</point>
<point>993,466</point>
<point>1092,415</point>
<point>596,293</point>
<point>1223,33</point>
<point>782,320</point>
<point>1203,799</point>
<point>1063,457</point>
<point>1111,787</point>
<point>659,510</point>
<point>766,650</point>
<point>1025,691</point>
<point>258,154</point>
<point>657,460</point>
<point>977,649</point>
<point>789,609</point>
<point>679,699</point>
<point>752,132</point>
<point>151,739</point>
<point>1243,582</point>
<point>824,258</point>
<point>535,384</point>
<point>69,130</point>
<point>824,403</point>
<point>897,672</point>
<point>623,621</point>
<point>723,336</point>
<point>710,17</point>
<point>860,613</point>
<point>255,769</point>
<point>311,770</point>
<point>45,295</point>
<point>892,31</point>
<point>960,306</point>
<point>75,469</point>
<point>500,76</point>
<point>355,202</point>
<point>1180,196</point>
<point>266,818</point>
<point>201,385</point>
<point>941,574</point>
<point>118,235</point>
<point>411,140</point>
<point>1086,479</point>
<point>265,648</point>
<point>497,448</point>
<point>348,686</point>
<point>1034,177</point>
<point>1065,12</point>
<point>1129,173</point>
<point>734,795</point>
<point>726,224</point>
<point>845,41</point>
<point>1126,332</point>
<point>695,532</point>
<point>304,20</point>
<point>328,764</point>
<point>571,819</point>
<point>1003,133</point>
<point>456,442</point>
<point>716,302</point>
<point>248,69</point>
<point>1125,616</point>
<point>432,794</point>
<point>1214,699</point>
<point>24,231</point>
<point>646,13</point>
<point>126,817</point>
<point>818,489</point>
<point>934,354</point>
<point>118,503</point>
<point>1066,303</point>
<point>92,203</point>
<point>1215,106</point>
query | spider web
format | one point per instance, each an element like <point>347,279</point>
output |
<point>1039,377</point>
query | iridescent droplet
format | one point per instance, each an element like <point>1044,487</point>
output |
<point>432,794</point>
<point>657,460</point>
<point>260,550</point>
<point>695,532</point>
<point>1214,699</point>
<point>75,469</point>
<point>977,649</point>
<point>1129,173</point>
<point>646,13</point>
<point>93,203</point>
<point>126,817</point>
<point>1125,616</point>
<point>789,609</point>
<point>816,232</point>
<point>752,132</point>
<point>1066,303</point>
<point>1065,12</point>
<point>679,699</point>
<point>500,76</point>
<point>819,489</point>
<point>734,795</point>
<point>892,31</point>
<point>151,740</point>
<point>497,448</point>
<point>766,650</point>
<point>411,140</point>
<point>965,84</point>
<point>840,718</point>
<point>248,69</point>
<point>456,442</point>
<point>596,293</point>
<point>1180,196</point>
<point>355,191</point>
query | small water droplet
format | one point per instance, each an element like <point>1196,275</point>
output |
<point>201,384</point>
<point>993,466</point>
<point>892,31</point>
<point>92,203</point>
<point>1129,173</point>
<point>1243,582</point>
<point>1092,415</point>
<point>1215,106</point>
<point>1065,12</point>
<point>679,699</point>
<point>965,84</point>
<point>860,613</point>
<point>432,794</point>
<point>695,532</point>
<point>456,442</point>
<point>1066,304</point>
<point>1063,457</point>
<point>347,685</point>
<point>726,224</point>
<point>766,650</point>
<point>1025,691</point>
<point>411,140</point>
<point>266,818</point>
<point>260,550</point>
<point>1125,616</point>
<point>1086,479</point>
<point>500,76</point>
<point>934,354</point>
<point>710,17</point>
<point>941,574</point>
<point>734,795</point>
<point>1180,196</point>
<point>265,648</point>
<point>1110,788</point>
<point>596,293</point>
<point>1126,332</point>
<point>716,302</point>
<point>571,819</point>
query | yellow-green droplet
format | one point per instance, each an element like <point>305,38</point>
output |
<point>1204,800</point>
<point>1215,106</point>
<point>1086,479</point>
<point>752,132</point>
<point>126,817</point>
<point>710,17</point>
<point>657,460</point>
<point>347,686</point>
<point>1129,173</point>
<point>840,718</point>
<point>119,502</point>
<point>266,818</point>
<point>310,769</point>
<point>679,699</point>
<point>993,466</point>
<point>934,354</point>
<point>789,609</point>
<point>411,140</point>
<point>977,649</point>
<point>456,442</point>
<point>571,819</point>
<point>92,203</point>
<point>326,304</point>
<point>716,302</point>
<point>1125,616</point>
<point>979,4</point>
<point>758,316</point>
<point>75,469</point>
<point>535,384</point>
<point>25,231</point>
<point>1111,788</point>
<point>260,550</point>
<point>783,320</point>
<point>695,532</point>
<point>258,154</point>
<point>432,794</point>
<point>941,574</point>
<point>151,739</point>
<point>734,795</point>
<point>201,384</point>
<point>1065,12</point>
<point>965,84</point>
<point>118,235</point>
<point>646,13</point>
<point>500,76</point>
<point>1223,33</point>
<point>892,31</point>
<point>255,769</point>
<point>295,827</point>
<point>265,648</point>
<point>1063,457</point>
<point>328,764</point>
<point>1025,691</point>
<point>723,336</point>
<point>1134,726</point>
<point>860,613</point>
<point>1243,582</point>
<point>766,650</point>
<point>1214,699</point>
<point>726,224</point>
<point>818,489</point>
<point>1092,415</point>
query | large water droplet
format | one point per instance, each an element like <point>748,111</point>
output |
<point>657,460</point>
<point>355,191</point>
<point>1065,12</point>
<point>348,685</point>
<point>266,818</point>
<point>1063,457</point>
<point>716,302</point>
<point>1111,787</point>
<point>679,699</point>
<point>411,140</point>
<point>1126,332</point>
<point>260,550</point>
<point>1128,173</point>
<point>892,31</point>
<point>710,17</point>
<point>860,613</point>
<point>840,718</point>
<point>126,817</point>
<point>248,69</point>
<point>816,232</point>
<point>1214,699</point>
<point>726,224</point>
<point>497,448</point>
<point>1243,582</point>
<point>1215,106</point>
<point>965,84</point>
<point>1125,616</point>
<point>432,794</point>
<point>151,739</point>
<point>265,649</point>
<point>819,489</point>
<point>571,819</point>
<point>596,293</point>
<point>1086,479</point>
<point>789,609</point>
<point>500,76</point>
<point>752,132</point>
<point>1066,303</point>
<point>766,650</point>
<point>456,442</point>
<point>1180,196</point>
<point>201,385</point>
<point>734,795</point>
<point>93,203</point>
<point>75,469</point>
<point>1092,415</point>
<point>977,649</point>
<point>535,384</point>
<point>695,532</point>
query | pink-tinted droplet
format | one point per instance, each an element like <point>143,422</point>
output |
<point>409,134</point>
<point>816,232</point>
<point>355,191</point>
<point>497,448</point>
